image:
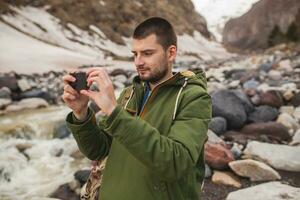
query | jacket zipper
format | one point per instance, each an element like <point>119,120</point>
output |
<point>142,112</point>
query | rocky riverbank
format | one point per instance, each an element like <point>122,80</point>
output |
<point>254,136</point>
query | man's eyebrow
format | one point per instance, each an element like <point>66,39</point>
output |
<point>133,51</point>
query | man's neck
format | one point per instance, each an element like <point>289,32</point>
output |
<point>168,76</point>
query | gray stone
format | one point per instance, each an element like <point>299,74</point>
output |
<point>227,105</point>
<point>5,93</point>
<point>274,75</point>
<point>29,103</point>
<point>236,150</point>
<point>208,171</point>
<point>251,84</point>
<point>296,113</point>
<point>255,170</point>
<point>24,84</point>
<point>266,191</point>
<point>263,114</point>
<point>296,138</point>
<point>288,121</point>
<point>4,103</point>
<point>218,125</point>
<point>282,157</point>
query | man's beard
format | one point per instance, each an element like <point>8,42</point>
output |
<point>155,75</point>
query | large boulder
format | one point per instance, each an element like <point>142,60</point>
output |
<point>273,130</point>
<point>226,104</point>
<point>266,191</point>
<point>263,114</point>
<point>217,156</point>
<point>255,170</point>
<point>282,157</point>
<point>266,24</point>
<point>218,125</point>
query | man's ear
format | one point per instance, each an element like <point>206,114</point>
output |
<point>172,52</point>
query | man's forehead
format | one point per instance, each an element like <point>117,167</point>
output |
<point>148,42</point>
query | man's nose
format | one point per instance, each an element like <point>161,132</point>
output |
<point>138,61</point>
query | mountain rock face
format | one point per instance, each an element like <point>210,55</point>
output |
<point>267,23</point>
<point>118,18</point>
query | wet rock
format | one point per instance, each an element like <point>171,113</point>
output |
<point>236,150</point>
<point>226,178</point>
<point>295,101</point>
<point>296,113</point>
<point>285,65</point>
<point>37,93</point>
<point>227,105</point>
<point>275,75</point>
<point>255,99</point>
<point>117,72</point>
<point>266,191</point>
<point>56,152</point>
<point>251,84</point>
<point>238,137</point>
<point>120,78</point>
<point>263,114</point>
<point>5,93</point>
<point>217,156</point>
<point>9,80</point>
<point>65,192</point>
<point>118,84</point>
<point>61,131</point>
<point>218,125</point>
<point>30,103</point>
<point>273,130</point>
<point>4,103</point>
<point>266,66</point>
<point>24,84</point>
<point>288,121</point>
<point>214,86</point>
<point>82,176</point>
<point>287,109</point>
<point>208,171</point>
<point>245,101</point>
<point>296,138</point>
<point>255,170</point>
<point>288,95</point>
<point>282,157</point>
<point>271,98</point>
<point>213,138</point>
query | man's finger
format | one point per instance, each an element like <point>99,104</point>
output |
<point>68,96</point>
<point>70,90</point>
<point>88,93</point>
<point>90,70</point>
<point>97,79</point>
<point>68,78</point>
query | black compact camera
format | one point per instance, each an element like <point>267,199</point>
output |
<point>81,81</point>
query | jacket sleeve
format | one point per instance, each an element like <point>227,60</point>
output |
<point>90,137</point>
<point>171,156</point>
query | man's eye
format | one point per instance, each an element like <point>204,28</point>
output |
<point>148,53</point>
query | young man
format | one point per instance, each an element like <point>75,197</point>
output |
<point>154,133</point>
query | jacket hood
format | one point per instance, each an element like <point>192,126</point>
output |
<point>196,77</point>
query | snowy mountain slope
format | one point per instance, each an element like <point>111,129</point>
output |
<point>218,12</point>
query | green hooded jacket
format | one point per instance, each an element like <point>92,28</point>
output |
<point>158,154</point>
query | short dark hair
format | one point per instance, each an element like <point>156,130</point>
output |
<point>163,30</point>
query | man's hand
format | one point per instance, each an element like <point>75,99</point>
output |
<point>105,98</point>
<point>77,102</point>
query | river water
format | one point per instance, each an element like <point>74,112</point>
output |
<point>33,163</point>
